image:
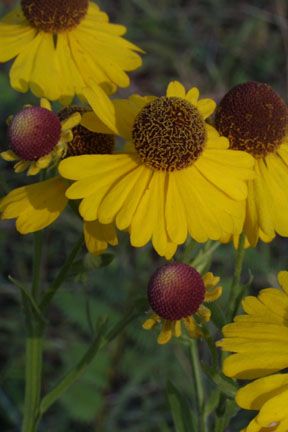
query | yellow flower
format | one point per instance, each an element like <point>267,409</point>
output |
<point>255,119</point>
<point>259,343</point>
<point>37,137</point>
<point>38,205</point>
<point>64,46</point>
<point>177,177</point>
<point>176,292</point>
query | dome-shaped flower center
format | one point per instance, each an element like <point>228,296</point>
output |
<point>84,141</point>
<point>54,16</point>
<point>175,291</point>
<point>169,134</point>
<point>33,133</point>
<point>253,117</point>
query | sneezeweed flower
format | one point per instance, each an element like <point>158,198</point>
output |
<point>38,205</point>
<point>177,177</point>
<point>64,46</point>
<point>259,343</point>
<point>255,119</point>
<point>176,293</point>
<point>37,138</point>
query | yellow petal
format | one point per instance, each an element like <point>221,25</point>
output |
<point>72,121</point>
<point>175,89</point>
<point>254,395</point>
<point>192,96</point>
<point>283,280</point>
<point>150,322</point>
<point>35,206</point>
<point>93,123</point>
<point>9,156</point>
<point>166,332</point>
<point>175,213</point>
<point>15,34</point>
<point>177,328</point>
<point>101,105</point>
<point>98,236</point>
<point>206,107</point>
<point>44,103</point>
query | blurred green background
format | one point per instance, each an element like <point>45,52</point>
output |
<point>213,44</point>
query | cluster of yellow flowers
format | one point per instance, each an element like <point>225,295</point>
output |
<point>179,173</point>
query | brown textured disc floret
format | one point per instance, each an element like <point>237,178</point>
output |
<point>54,16</point>
<point>84,141</point>
<point>169,134</point>
<point>253,117</point>
<point>176,291</point>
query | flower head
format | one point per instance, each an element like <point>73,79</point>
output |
<point>176,292</point>
<point>258,341</point>
<point>255,119</point>
<point>64,48</point>
<point>37,138</point>
<point>38,205</point>
<point>176,179</point>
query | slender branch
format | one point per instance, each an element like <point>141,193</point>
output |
<point>61,276</point>
<point>199,388</point>
<point>38,237</point>
<point>235,289</point>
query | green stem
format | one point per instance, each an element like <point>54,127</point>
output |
<point>199,388</point>
<point>61,276</point>
<point>37,264</point>
<point>34,347</point>
<point>236,286</point>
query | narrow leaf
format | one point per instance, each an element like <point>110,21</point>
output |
<point>184,420</point>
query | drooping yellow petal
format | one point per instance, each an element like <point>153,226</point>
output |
<point>93,123</point>
<point>101,105</point>
<point>114,200</point>
<point>151,322</point>
<point>98,236</point>
<point>127,211</point>
<point>15,34</point>
<point>175,213</point>
<point>232,181</point>
<point>35,206</point>
<point>177,331</point>
<point>166,332</point>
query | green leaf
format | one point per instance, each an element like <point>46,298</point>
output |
<point>212,402</point>
<point>184,420</point>
<point>224,384</point>
<point>25,292</point>
<point>91,262</point>
<point>75,373</point>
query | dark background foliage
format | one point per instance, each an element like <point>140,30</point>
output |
<point>213,45</point>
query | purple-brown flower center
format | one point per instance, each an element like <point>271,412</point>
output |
<point>33,133</point>
<point>253,117</point>
<point>175,291</point>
